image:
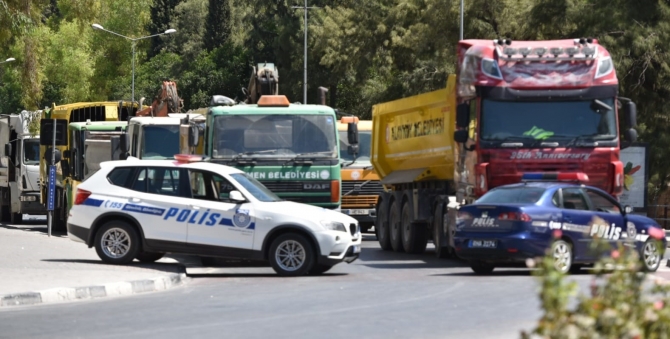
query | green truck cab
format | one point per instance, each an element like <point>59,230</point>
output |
<point>291,148</point>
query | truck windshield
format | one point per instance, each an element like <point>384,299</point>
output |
<point>272,135</point>
<point>254,187</point>
<point>160,142</point>
<point>31,151</point>
<point>364,143</point>
<point>556,121</point>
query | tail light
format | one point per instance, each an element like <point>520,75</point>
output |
<point>514,216</point>
<point>481,181</point>
<point>81,196</point>
<point>335,191</point>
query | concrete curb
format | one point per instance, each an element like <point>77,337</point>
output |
<point>54,295</point>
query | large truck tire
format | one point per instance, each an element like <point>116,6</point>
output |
<point>440,237</point>
<point>14,218</point>
<point>60,214</point>
<point>4,210</point>
<point>382,228</point>
<point>414,236</point>
<point>395,223</point>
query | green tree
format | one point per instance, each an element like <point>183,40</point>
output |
<point>162,16</point>
<point>189,21</point>
<point>217,25</point>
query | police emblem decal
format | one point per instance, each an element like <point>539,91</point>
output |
<point>242,219</point>
<point>631,230</point>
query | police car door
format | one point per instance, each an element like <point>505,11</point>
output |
<point>160,205</point>
<point>610,226</point>
<point>219,222</point>
<point>576,220</point>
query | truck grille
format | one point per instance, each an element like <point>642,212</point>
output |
<point>283,186</point>
<point>361,187</point>
<point>361,201</point>
<point>309,200</point>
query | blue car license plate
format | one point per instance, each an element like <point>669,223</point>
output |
<point>483,244</point>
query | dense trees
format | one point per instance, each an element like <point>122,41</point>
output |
<point>364,51</point>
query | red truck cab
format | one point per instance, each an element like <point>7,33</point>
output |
<point>539,107</point>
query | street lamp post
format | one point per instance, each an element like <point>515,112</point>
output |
<point>305,55</point>
<point>461,30</point>
<point>133,42</point>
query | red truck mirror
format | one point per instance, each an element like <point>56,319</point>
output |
<point>461,136</point>
<point>463,115</point>
<point>630,114</point>
<point>630,135</point>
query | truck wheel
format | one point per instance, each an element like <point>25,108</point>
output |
<point>4,213</point>
<point>481,268</point>
<point>60,215</point>
<point>148,256</point>
<point>16,218</point>
<point>395,227</point>
<point>382,228</point>
<point>116,242</point>
<point>561,251</point>
<point>291,255</point>
<point>651,256</point>
<point>441,252</point>
<point>414,236</point>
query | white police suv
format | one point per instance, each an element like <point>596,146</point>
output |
<point>141,209</point>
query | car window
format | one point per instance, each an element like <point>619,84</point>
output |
<point>513,195</point>
<point>121,176</point>
<point>140,183</point>
<point>254,187</point>
<point>209,186</point>
<point>601,203</point>
<point>573,199</point>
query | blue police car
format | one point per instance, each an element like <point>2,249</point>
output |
<point>515,222</point>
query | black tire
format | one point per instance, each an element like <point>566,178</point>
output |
<point>482,268</point>
<point>382,229</point>
<point>127,235</point>
<point>148,256</point>
<point>414,236</point>
<point>651,255</point>
<point>297,244</point>
<point>59,223</point>
<point>562,250</point>
<point>16,218</point>
<point>395,227</point>
<point>319,269</point>
<point>441,252</point>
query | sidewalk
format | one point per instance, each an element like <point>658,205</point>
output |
<point>37,269</point>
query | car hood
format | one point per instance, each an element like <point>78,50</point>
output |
<point>306,212</point>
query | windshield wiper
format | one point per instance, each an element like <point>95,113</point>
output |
<point>533,142</point>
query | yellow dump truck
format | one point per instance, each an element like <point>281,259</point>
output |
<point>360,182</point>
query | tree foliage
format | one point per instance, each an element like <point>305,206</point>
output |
<point>365,51</point>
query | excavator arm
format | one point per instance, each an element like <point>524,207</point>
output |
<point>166,101</point>
<point>264,81</point>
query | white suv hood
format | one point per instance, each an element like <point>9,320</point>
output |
<point>291,210</point>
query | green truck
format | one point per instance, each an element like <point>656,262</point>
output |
<point>291,148</point>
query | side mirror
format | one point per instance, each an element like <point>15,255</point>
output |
<point>628,209</point>
<point>236,196</point>
<point>193,136</point>
<point>124,141</point>
<point>630,135</point>
<point>65,167</point>
<point>630,114</point>
<point>352,133</point>
<point>352,149</point>
<point>8,150</point>
<point>461,136</point>
<point>51,152</point>
<point>463,116</point>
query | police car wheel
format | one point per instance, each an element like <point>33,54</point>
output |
<point>148,256</point>
<point>480,267</point>
<point>320,269</point>
<point>395,227</point>
<point>561,251</point>
<point>291,255</point>
<point>651,256</point>
<point>116,242</point>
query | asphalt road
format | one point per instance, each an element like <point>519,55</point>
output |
<point>382,295</point>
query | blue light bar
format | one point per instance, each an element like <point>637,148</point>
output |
<point>555,176</point>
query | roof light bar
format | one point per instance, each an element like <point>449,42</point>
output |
<point>349,119</point>
<point>188,158</point>
<point>577,52</point>
<point>273,101</point>
<point>555,176</point>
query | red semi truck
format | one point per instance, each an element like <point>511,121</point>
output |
<point>514,107</point>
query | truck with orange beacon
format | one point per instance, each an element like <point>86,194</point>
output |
<point>513,108</point>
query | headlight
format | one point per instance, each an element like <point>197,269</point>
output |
<point>334,226</point>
